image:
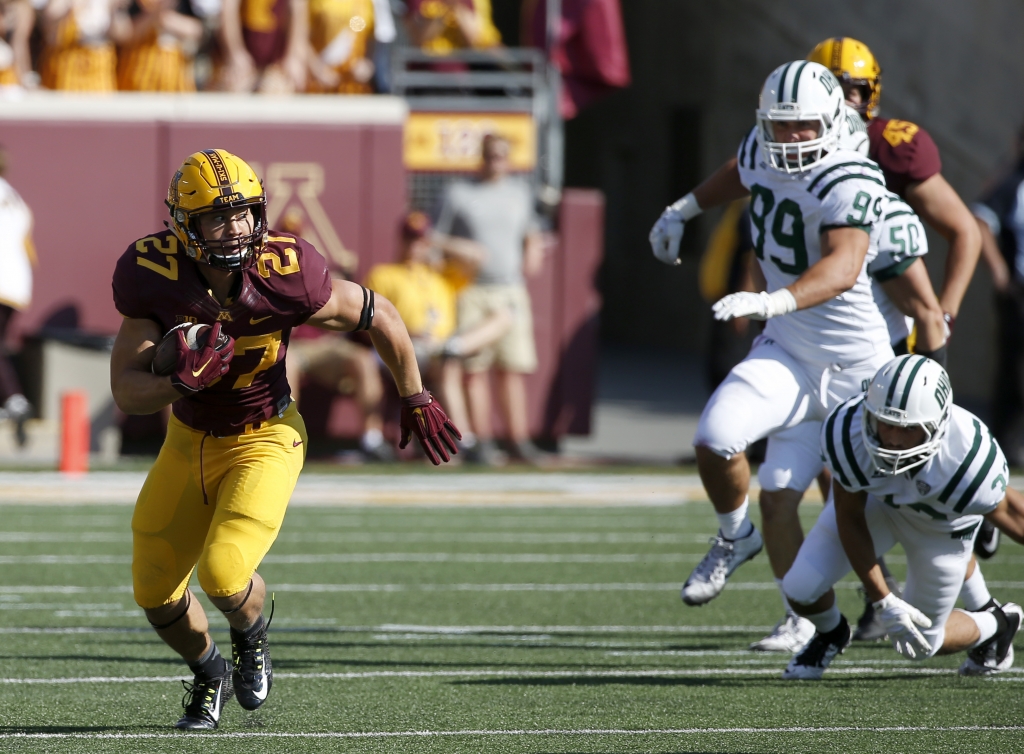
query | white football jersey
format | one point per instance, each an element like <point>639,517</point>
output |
<point>901,240</point>
<point>788,212</point>
<point>968,476</point>
<point>16,251</point>
<point>853,132</point>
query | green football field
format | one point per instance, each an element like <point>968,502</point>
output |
<point>510,628</point>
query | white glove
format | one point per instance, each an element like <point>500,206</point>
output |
<point>667,232</point>
<point>754,305</point>
<point>899,619</point>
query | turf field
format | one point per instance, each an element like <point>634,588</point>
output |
<point>506,627</point>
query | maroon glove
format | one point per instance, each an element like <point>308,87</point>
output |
<point>210,359</point>
<point>422,414</point>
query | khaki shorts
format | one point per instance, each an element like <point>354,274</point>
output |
<point>515,352</point>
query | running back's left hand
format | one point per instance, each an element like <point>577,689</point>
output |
<point>423,416</point>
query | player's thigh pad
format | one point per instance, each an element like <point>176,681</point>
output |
<point>170,521</point>
<point>822,561</point>
<point>250,478</point>
<point>764,393</point>
<point>936,566</point>
<point>793,459</point>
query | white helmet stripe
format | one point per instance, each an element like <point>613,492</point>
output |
<point>910,380</point>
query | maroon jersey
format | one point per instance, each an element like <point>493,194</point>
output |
<point>289,282</point>
<point>265,29</point>
<point>905,152</point>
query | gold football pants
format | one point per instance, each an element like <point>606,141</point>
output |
<point>216,503</point>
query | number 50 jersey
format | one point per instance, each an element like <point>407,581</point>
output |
<point>788,214</point>
<point>155,279</point>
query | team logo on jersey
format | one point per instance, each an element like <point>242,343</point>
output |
<point>224,317</point>
<point>900,132</point>
<point>923,487</point>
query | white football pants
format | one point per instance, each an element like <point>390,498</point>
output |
<point>937,556</point>
<point>770,393</point>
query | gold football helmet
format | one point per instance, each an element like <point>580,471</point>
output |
<point>854,65</point>
<point>210,181</point>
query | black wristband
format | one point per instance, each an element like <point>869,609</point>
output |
<point>939,355</point>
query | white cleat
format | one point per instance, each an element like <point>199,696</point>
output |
<point>996,654</point>
<point>708,579</point>
<point>790,635</point>
<point>811,663</point>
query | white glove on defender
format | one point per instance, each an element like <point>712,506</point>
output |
<point>899,619</point>
<point>754,305</point>
<point>667,232</point>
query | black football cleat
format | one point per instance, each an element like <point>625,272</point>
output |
<point>996,654</point>
<point>253,674</point>
<point>986,543</point>
<point>204,700</point>
<point>814,659</point>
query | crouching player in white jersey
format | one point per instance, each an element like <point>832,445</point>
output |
<point>910,467</point>
<point>814,207</point>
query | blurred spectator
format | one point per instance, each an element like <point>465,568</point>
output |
<point>590,48</point>
<point>423,286</point>
<point>79,38</point>
<point>1001,219</point>
<point>338,364</point>
<point>158,55</point>
<point>17,18</point>
<point>728,266</point>
<point>17,257</point>
<point>442,26</point>
<point>341,34</point>
<point>384,35</point>
<point>497,211</point>
<point>264,44</point>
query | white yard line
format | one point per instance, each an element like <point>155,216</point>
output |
<point>421,630</point>
<point>195,737</point>
<point>519,674</point>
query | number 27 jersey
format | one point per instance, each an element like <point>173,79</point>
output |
<point>788,213</point>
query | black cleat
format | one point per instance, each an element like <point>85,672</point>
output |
<point>814,658</point>
<point>996,654</point>
<point>986,543</point>
<point>252,674</point>
<point>203,702</point>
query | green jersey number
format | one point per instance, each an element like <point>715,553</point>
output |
<point>906,237</point>
<point>787,228</point>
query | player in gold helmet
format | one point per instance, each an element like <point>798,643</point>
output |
<point>910,161</point>
<point>215,499</point>
<point>857,70</point>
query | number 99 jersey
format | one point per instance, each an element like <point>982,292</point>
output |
<point>788,213</point>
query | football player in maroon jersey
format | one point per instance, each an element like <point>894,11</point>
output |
<point>216,496</point>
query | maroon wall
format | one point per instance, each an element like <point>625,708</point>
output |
<point>96,187</point>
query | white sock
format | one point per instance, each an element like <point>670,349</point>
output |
<point>987,625</point>
<point>975,592</point>
<point>734,524</point>
<point>826,621</point>
<point>468,439</point>
<point>785,600</point>
<point>372,438</point>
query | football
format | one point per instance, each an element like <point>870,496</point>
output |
<point>165,360</point>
